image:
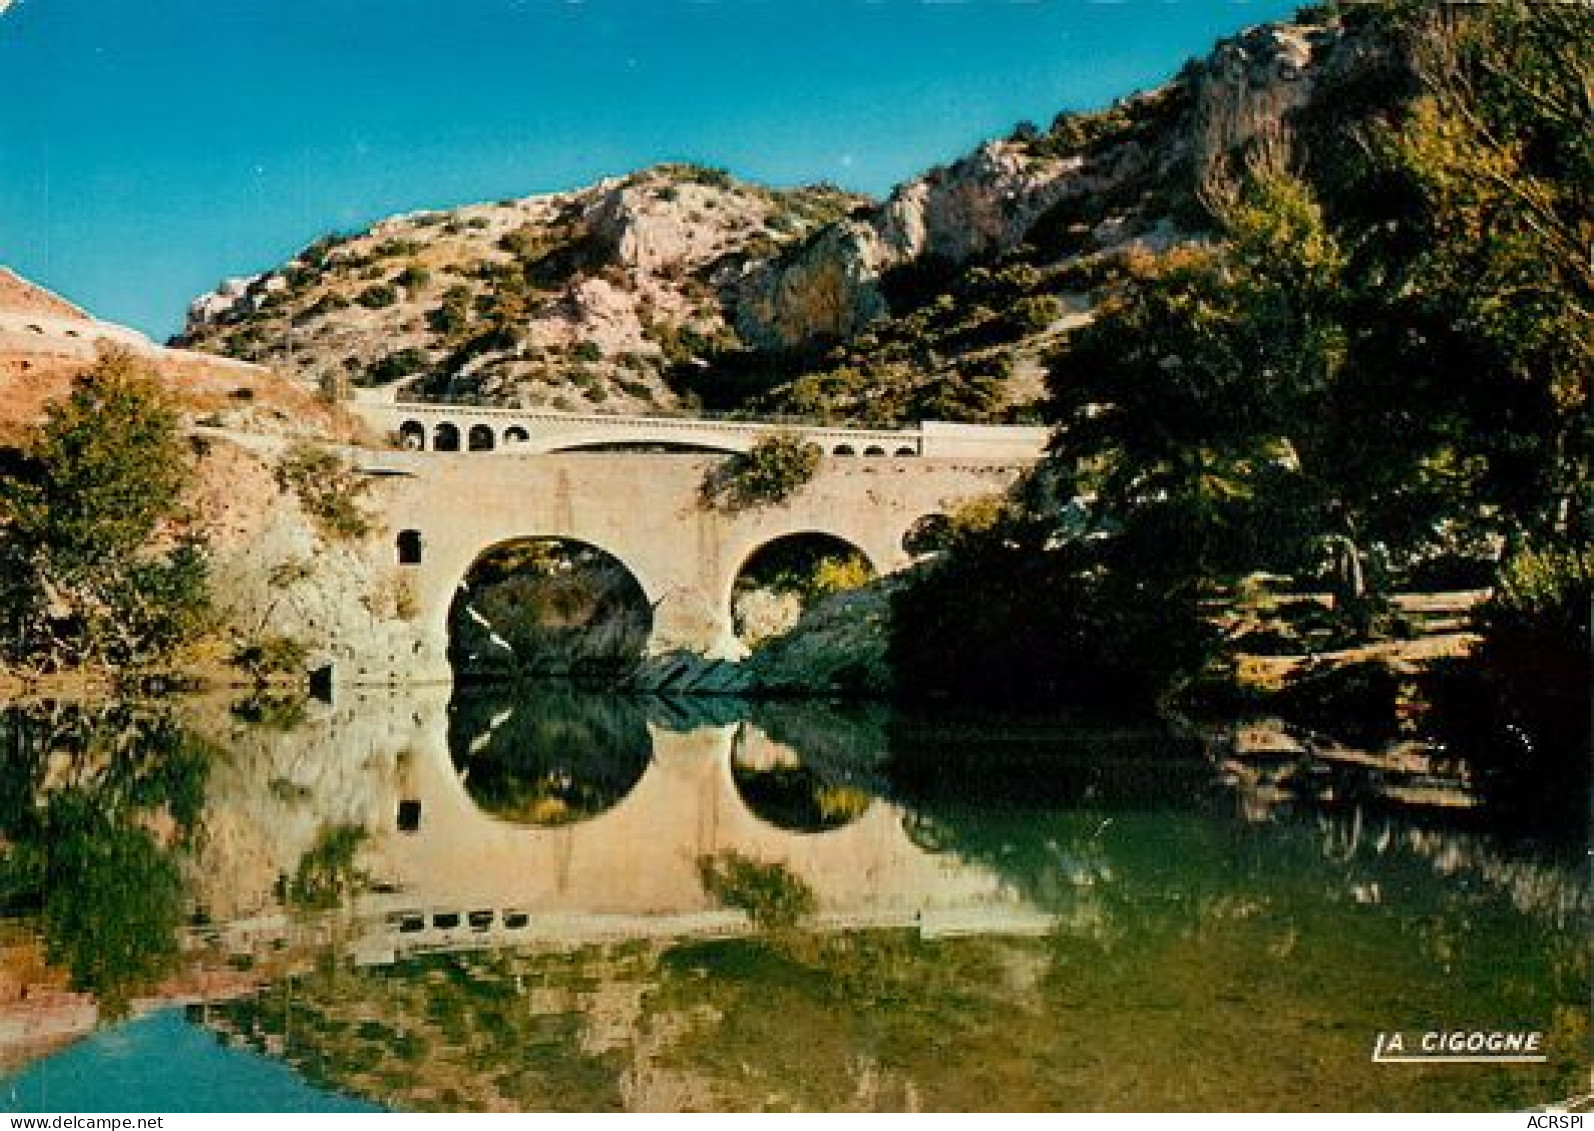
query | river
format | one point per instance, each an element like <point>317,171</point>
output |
<point>547,899</point>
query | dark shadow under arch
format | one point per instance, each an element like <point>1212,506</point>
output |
<point>412,435</point>
<point>779,788</point>
<point>543,606</point>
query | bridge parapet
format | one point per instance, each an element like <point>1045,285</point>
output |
<point>431,426</point>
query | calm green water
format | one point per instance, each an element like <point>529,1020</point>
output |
<point>591,903</point>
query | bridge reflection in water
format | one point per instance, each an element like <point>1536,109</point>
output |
<point>572,819</point>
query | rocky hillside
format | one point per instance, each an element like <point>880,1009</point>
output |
<point>574,300</point>
<point>680,287</point>
<point>45,341</point>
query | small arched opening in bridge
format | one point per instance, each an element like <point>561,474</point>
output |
<point>412,436</point>
<point>481,439</point>
<point>547,607</point>
<point>782,790</point>
<point>905,450</point>
<point>929,534</point>
<point>874,450</point>
<point>784,577</point>
<point>844,450</point>
<point>409,547</point>
<point>547,756</point>
<point>445,437</point>
<point>515,434</point>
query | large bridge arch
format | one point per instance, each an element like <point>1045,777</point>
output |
<point>567,577</point>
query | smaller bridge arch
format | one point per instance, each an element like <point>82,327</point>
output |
<point>792,566</point>
<point>412,436</point>
<point>481,438</point>
<point>445,437</point>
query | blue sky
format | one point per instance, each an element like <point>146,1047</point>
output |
<point>149,149</point>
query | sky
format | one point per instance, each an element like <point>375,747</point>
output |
<point>149,150</point>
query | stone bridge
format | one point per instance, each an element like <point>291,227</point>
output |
<point>444,510</point>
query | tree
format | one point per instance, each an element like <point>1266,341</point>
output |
<point>82,795</point>
<point>100,564</point>
<point>1382,363</point>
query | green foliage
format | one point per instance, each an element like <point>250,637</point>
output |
<point>767,475</point>
<point>80,792</point>
<point>113,905</point>
<point>400,363</point>
<point>1518,710</point>
<point>272,654</point>
<point>377,295</point>
<point>327,874</point>
<point>454,314</point>
<point>413,278</point>
<point>810,566</point>
<point>329,490</point>
<point>1382,363</point>
<point>98,564</point>
<point>774,898</point>
<point>1013,611</point>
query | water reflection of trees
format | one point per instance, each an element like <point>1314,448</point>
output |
<point>98,805</point>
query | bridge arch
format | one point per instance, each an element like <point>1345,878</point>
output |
<point>548,604</point>
<point>481,438</point>
<point>782,574</point>
<point>610,442</point>
<point>547,759</point>
<point>445,437</point>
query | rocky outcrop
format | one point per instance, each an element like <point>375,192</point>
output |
<point>828,287</point>
<point>1251,85</point>
<point>988,203</point>
<point>839,646</point>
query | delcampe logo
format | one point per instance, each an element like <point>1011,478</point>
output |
<point>1460,1046</point>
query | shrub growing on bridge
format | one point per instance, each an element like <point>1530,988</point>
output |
<point>768,474</point>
